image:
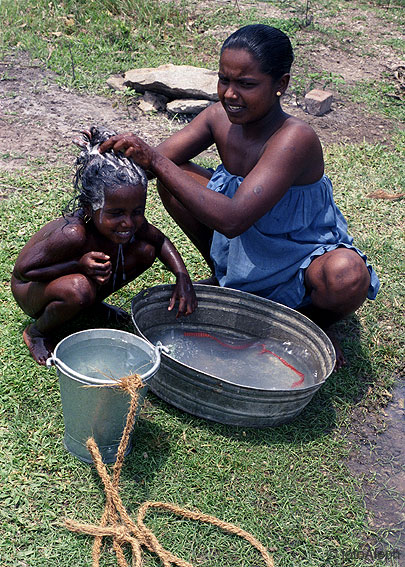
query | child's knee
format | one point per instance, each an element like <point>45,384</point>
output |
<point>79,290</point>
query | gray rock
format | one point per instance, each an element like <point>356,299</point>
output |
<point>116,82</point>
<point>152,102</point>
<point>318,102</point>
<point>187,106</point>
<point>174,81</point>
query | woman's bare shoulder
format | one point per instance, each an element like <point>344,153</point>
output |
<point>295,149</point>
<point>296,128</point>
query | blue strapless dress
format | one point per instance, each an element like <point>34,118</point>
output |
<point>270,258</point>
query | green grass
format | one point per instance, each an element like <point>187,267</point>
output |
<point>289,485</point>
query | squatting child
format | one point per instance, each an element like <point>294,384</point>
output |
<point>102,242</point>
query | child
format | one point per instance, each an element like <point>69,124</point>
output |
<point>104,242</point>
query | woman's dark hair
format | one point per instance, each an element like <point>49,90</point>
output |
<point>97,172</point>
<point>269,46</point>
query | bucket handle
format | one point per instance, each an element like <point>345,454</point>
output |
<point>162,348</point>
<point>55,361</point>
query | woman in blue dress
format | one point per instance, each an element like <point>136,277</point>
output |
<point>265,221</point>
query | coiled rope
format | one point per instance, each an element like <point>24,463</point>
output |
<point>116,522</point>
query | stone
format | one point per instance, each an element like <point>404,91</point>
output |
<point>116,82</point>
<point>174,81</point>
<point>152,102</point>
<point>187,106</point>
<point>318,102</point>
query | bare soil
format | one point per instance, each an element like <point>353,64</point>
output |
<point>38,119</point>
<point>378,457</point>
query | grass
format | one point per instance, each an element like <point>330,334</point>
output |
<point>289,485</point>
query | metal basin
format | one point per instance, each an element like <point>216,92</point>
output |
<point>237,318</point>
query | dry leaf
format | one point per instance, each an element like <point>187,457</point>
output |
<point>381,194</point>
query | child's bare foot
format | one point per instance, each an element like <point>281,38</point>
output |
<point>113,313</point>
<point>340,358</point>
<point>39,345</point>
<point>208,281</point>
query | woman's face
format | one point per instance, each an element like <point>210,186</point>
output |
<point>122,214</point>
<point>246,93</point>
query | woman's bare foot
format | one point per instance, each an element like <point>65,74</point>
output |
<point>340,358</point>
<point>39,345</point>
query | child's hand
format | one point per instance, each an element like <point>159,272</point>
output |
<point>131,146</point>
<point>184,292</point>
<point>97,266</point>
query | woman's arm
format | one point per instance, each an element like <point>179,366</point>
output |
<point>191,140</point>
<point>286,157</point>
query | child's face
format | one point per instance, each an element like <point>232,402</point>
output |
<point>123,213</point>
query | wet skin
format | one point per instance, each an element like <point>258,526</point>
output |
<point>69,266</point>
<point>257,140</point>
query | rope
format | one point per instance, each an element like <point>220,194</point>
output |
<point>116,522</point>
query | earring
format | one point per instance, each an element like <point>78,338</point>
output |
<point>278,93</point>
<point>87,219</point>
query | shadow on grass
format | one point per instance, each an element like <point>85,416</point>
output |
<point>341,391</point>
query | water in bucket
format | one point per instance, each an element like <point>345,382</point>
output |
<point>268,364</point>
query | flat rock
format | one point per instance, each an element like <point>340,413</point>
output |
<point>187,106</point>
<point>174,81</point>
<point>116,82</point>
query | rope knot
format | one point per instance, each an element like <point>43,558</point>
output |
<point>122,534</point>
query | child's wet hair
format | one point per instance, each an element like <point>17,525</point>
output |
<point>97,172</point>
<point>269,46</point>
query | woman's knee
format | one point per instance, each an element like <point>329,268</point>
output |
<point>347,273</point>
<point>340,278</point>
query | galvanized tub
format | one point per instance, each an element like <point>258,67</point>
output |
<point>231,313</point>
<point>89,364</point>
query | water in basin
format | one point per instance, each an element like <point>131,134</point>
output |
<point>261,363</point>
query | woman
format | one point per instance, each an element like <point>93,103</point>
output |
<point>265,220</point>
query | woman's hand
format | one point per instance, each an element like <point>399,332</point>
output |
<point>184,292</point>
<point>132,147</point>
<point>97,266</point>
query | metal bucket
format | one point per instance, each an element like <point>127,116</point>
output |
<point>231,313</point>
<point>89,364</point>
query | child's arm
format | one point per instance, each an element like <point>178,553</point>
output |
<point>56,250</point>
<point>170,257</point>
<point>183,290</point>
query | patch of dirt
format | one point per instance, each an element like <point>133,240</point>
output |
<point>39,118</point>
<point>378,456</point>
